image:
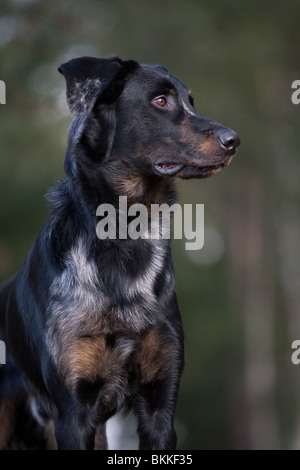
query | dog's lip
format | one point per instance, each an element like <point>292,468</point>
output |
<point>209,169</point>
<point>173,168</point>
<point>168,168</point>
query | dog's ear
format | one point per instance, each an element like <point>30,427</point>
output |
<point>87,77</point>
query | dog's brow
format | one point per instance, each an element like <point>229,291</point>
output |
<point>166,85</point>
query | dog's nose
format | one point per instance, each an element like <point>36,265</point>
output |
<point>228,139</point>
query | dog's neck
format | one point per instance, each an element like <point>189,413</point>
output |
<point>86,191</point>
<point>105,183</point>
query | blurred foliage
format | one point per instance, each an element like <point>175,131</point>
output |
<point>239,297</point>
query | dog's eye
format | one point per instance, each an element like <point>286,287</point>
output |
<point>160,101</point>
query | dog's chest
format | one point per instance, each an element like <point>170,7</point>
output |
<point>90,298</point>
<point>106,369</point>
<point>124,278</point>
<point>107,335</point>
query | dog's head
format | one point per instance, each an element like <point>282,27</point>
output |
<point>143,117</point>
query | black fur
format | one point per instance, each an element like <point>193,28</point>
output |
<point>93,325</point>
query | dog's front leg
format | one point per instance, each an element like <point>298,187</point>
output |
<point>74,431</point>
<point>155,409</point>
<point>160,360</point>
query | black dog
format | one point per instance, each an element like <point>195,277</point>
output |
<point>94,325</point>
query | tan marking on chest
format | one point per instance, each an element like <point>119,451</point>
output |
<point>90,358</point>
<point>155,355</point>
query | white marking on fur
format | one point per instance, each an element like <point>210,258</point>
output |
<point>34,407</point>
<point>77,262</point>
<point>75,297</point>
<point>78,281</point>
<point>144,284</point>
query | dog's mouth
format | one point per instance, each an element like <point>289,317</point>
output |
<point>182,170</point>
<point>209,170</point>
<point>168,168</point>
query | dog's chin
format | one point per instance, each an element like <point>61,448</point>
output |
<point>188,171</point>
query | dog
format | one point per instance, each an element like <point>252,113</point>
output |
<point>92,326</point>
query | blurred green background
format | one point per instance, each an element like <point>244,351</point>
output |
<point>239,295</point>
